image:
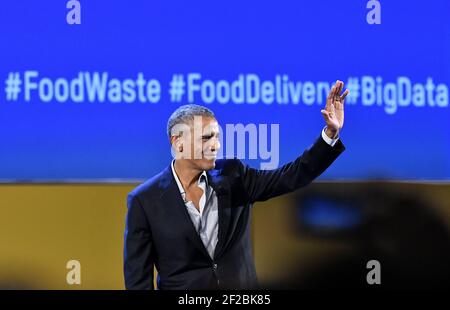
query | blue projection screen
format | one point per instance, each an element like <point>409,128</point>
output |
<point>90,101</point>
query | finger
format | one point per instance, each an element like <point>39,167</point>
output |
<point>336,89</point>
<point>344,95</point>
<point>339,88</point>
<point>330,97</point>
<point>337,92</point>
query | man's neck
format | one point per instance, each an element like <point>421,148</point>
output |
<point>187,174</point>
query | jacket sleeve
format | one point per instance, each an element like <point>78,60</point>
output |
<point>138,248</point>
<point>261,185</point>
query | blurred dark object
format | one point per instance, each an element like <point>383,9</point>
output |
<point>329,217</point>
<point>398,228</point>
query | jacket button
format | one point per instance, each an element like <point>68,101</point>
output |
<point>215,266</point>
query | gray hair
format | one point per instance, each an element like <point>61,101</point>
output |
<point>185,113</point>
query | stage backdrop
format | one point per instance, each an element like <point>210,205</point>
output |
<point>90,101</point>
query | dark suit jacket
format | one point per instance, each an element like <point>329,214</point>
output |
<point>159,231</point>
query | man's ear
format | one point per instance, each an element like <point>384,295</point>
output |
<point>177,143</point>
<point>172,139</point>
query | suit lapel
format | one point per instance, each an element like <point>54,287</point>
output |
<point>171,199</point>
<point>222,188</point>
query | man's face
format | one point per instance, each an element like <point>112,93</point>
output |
<point>201,143</point>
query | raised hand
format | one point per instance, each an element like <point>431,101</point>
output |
<point>334,109</point>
